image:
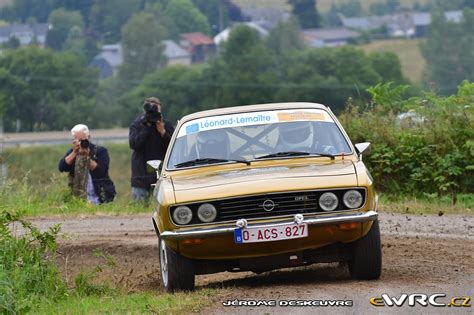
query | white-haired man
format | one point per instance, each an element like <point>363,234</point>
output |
<point>88,167</point>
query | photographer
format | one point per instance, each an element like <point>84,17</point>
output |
<point>88,167</point>
<point>149,137</point>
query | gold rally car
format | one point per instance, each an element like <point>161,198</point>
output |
<point>261,187</point>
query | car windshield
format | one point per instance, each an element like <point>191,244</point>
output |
<point>258,135</point>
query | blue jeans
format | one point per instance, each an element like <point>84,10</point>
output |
<point>140,194</point>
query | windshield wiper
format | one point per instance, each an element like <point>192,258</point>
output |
<point>208,161</point>
<point>294,153</point>
<point>283,154</point>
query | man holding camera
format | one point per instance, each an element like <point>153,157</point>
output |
<point>149,137</point>
<point>88,167</point>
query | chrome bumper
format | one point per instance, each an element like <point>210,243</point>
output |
<point>298,218</point>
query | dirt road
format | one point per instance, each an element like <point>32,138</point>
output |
<point>421,254</point>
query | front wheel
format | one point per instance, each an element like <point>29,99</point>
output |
<point>366,261</point>
<point>177,272</point>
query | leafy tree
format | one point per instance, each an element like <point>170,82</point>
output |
<point>181,90</point>
<point>142,47</point>
<point>285,37</point>
<point>75,42</point>
<point>62,21</point>
<point>244,70</point>
<point>108,16</point>
<point>449,51</point>
<point>186,18</point>
<point>350,8</point>
<point>388,67</point>
<point>35,81</point>
<point>306,12</point>
<point>216,12</point>
<point>21,10</point>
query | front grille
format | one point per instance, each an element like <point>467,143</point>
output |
<point>272,205</point>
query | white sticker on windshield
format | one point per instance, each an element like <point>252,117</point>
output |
<point>255,118</point>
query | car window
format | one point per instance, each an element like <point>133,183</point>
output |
<point>249,141</point>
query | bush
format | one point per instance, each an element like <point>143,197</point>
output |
<point>429,149</point>
<point>28,276</point>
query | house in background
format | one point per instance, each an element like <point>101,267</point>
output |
<point>26,34</point>
<point>422,21</point>
<point>200,46</point>
<point>175,54</point>
<point>108,60</point>
<point>268,18</point>
<point>330,37</point>
<point>410,24</point>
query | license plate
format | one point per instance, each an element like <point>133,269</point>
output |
<point>272,233</point>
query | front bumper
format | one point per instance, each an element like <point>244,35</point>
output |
<point>298,218</point>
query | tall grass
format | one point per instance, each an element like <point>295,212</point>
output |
<point>36,187</point>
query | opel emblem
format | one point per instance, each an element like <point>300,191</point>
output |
<point>268,205</point>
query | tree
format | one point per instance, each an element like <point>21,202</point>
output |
<point>23,9</point>
<point>108,16</point>
<point>38,85</point>
<point>142,47</point>
<point>186,18</point>
<point>62,21</point>
<point>449,51</point>
<point>306,12</point>
<point>75,43</point>
<point>244,70</point>
<point>216,12</point>
<point>285,37</point>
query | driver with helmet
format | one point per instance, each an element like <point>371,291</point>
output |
<point>296,136</point>
<point>213,144</point>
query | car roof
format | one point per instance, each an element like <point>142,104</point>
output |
<point>250,108</point>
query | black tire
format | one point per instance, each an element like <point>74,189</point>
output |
<point>366,261</point>
<point>177,272</point>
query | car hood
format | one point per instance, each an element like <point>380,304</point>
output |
<point>250,181</point>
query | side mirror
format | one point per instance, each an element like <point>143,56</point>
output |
<point>361,147</point>
<point>153,166</point>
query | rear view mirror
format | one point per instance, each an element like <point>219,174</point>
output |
<point>153,166</point>
<point>361,147</point>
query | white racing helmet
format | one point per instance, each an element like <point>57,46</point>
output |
<point>213,144</point>
<point>296,135</point>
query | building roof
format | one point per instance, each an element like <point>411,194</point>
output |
<point>37,29</point>
<point>265,17</point>
<point>173,50</point>
<point>112,54</point>
<point>224,35</point>
<point>197,39</point>
<point>327,34</point>
<point>424,18</point>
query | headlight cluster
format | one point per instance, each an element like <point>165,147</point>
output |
<point>352,199</point>
<point>206,213</point>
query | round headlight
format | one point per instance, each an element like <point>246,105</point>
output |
<point>182,215</point>
<point>328,201</point>
<point>207,213</point>
<point>352,199</point>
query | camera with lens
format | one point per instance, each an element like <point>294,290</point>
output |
<point>152,115</point>
<point>85,143</point>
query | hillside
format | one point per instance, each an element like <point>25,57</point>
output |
<point>408,50</point>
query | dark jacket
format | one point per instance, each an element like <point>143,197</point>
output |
<point>147,144</point>
<point>103,185</point>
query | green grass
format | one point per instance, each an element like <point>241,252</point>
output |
<point>135,303</point>
<point>36,188</point>
<point>427,204</point>
<point>408,51</point>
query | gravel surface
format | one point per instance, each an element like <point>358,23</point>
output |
<point>421,254</point>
